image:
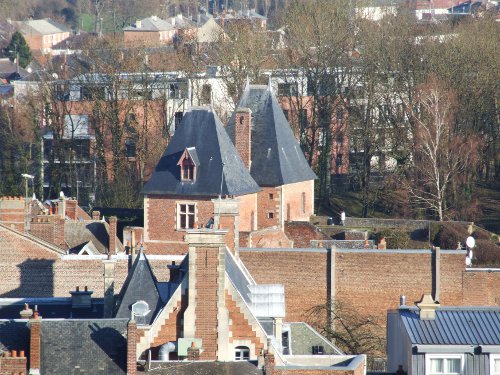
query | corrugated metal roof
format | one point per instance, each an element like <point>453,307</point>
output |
<point>454,326</point>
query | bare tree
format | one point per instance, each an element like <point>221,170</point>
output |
<point>440,154</point>
<point>351,331</point>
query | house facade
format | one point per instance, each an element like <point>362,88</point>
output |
<point>41,35</point>
<point>430,339</point>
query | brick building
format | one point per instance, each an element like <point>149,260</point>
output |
<point>264,172</point>
<point>150,31</point>
<point>41,35</point>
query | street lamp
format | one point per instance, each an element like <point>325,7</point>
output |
<point>26,178</point>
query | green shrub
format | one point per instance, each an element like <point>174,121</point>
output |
<point>395,238</point>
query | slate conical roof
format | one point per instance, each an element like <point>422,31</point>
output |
<point>140,285</point>
<point>201,128</point>
<point>277,158</point>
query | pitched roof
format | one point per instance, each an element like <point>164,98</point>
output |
<point>44,26</point>
<point>90,346</point>
<point>152,23</point>
<point>277,158</point>
<point>140,285</point>
<point>201,128</point>
<point>78,233</point>
<point>454,326</point>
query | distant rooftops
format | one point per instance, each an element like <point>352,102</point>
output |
<point>44,26</point>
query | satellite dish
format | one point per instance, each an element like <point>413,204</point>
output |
<point>470,241</point>
<point>140,308</point>
<point>468,262</point>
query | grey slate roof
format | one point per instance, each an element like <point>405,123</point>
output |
<point>277,158</point>
<point>44,26</point>
<point>140,285</point>
<point>79,233</point>
<point>238,278</point>
<point>96,346</point>
<point>201,128</point>
<point>454,326</point>
<point>151,24</point>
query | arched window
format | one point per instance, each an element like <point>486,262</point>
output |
<point>242,353</point>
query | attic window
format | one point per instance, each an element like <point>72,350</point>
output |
<point>242,353</point>
<point>270,215</point>
<point>188,164</point>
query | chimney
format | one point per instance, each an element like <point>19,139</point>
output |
<point>112,234</point>
<point>96,215</point>
<point>71,209</point>
<point>81,299</point>
<point>27,313</point>
<point>226,217</point>
<point>427,307</point>
<point>243,135</point>
<point>138,24</point>
<point>35,327</point>
<point>206,305</point>
<point>109,286</point>
<point>174,271</point>
<point>131,347</point>
<point>278,328</point>
<point>59,239</point>
<point>62,205</point>
<point>402,300</point>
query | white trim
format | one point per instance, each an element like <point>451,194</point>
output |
<point>428,358</point>
<point>178,214</point>
<point>494,357</point>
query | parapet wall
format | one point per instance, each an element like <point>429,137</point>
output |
<point>370,281</point>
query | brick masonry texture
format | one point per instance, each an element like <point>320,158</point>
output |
<point>206,300</point>
<point>239,326</point>
<point>301,233</point>
<point>13,366</point>
<point>370,281</point>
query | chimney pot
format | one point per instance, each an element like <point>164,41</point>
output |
<point>77,288</point>
<point>21,353</point>
<point>14,354</point>
<point>402,300</point>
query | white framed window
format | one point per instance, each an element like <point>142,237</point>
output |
<point>494,364</point>
<point>186,215</point>
<point>444,364</point>
<point>242,353</point>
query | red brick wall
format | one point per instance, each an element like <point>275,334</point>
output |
<point>13,366</point>
<point>296,206</point>
<point>161,221</point>
<point>137,37</point>
<point>12,212</point>
<point>243,135</point>
<point>370,281</point>
<point>239,326</point>
<point>303,275</point>
<point>206,300</point>
<point>131,347</point>
<point>266,204</point>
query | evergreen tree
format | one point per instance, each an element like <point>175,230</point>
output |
<point>18,44</point>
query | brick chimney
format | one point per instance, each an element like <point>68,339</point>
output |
<point>131,347</point>
<point>243,135</point>
<point>208,319</point>
<point>61,205</point>
<point>35,327</point>
<point>226,217</point>
<point>27,313</point>
<point>71,209</point>
<point>112,234</point>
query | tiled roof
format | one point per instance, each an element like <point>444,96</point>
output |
<point>454,326</point>
<point>90,346</point>
<point>277,158</point>
<point>201,128</point>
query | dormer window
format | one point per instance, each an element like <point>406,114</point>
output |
<point>188,164</point>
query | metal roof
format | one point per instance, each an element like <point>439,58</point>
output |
<point>454,326</point>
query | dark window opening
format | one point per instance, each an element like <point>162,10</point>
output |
<point>186,216</point>
<point>130,151</point>
<point>271,196</point>
<point>177,119</point>
<point>270,215</point>
<point>242,353</point>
